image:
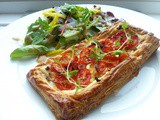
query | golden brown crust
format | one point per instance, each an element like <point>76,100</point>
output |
<point>74,106</point>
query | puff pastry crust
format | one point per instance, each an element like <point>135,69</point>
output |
<point>70,106</point>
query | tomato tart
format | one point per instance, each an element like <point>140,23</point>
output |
<point>81,77</point>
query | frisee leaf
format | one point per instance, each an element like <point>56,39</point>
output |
<point>64,74</point>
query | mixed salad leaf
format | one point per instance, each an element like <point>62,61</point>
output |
<point>29,50</point>
<point>62,27</point>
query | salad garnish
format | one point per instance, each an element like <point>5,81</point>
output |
<point>62,27</point>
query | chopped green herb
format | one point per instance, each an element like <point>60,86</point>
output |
<point>72,73</point>
<point>58,61</point>
<point>118,52</point>
<point>70,54</point>
<point>124,25</point>
<point>117,43</point>
<point>98,56</point>
<point>130,40</point>
<point>78,87</point>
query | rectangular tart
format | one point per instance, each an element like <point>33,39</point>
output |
<point>72,104</point>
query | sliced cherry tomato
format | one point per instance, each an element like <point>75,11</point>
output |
<point>131,44</point>
<point>107,45</point>
<point>128,45</point>
<point>62,83</point>
<point>75,63</point>
<point>81,64</point>
<point>55,67</point>
<point>123,56</point>
<point>111,64</point>
<point>111,58</point>
<point>120,36</point>
<point>120,33</point>
<point>84,76</point>
<point>100,66</point>
<point>65,59</point>
<point>85,55</point>
<point>135,38</point>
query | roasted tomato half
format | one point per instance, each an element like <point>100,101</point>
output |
<point>85,55</point>
<point>135,40</point>
<point>120,36</point>
<point>123,56</point>
<point>75,63</point>
<point>107,45</point>
<point>84,76</point>
<point>101,66</point>
<point>55,67</point>
<point>62,83</point>
<point>65,59</point>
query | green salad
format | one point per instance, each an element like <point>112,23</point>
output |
<point>62,27</point>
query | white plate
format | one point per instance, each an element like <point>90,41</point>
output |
<point>139,99</point>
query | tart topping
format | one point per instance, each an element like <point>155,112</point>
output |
<point>101,66</point>
<point>85,53</point>
<point>84,76</point>
<point>62,83</point>
<point>55,67</point>
<point>74,72</point>
<point>66,57</point>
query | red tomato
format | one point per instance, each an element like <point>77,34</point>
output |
<point>111,61</point>
<point>121,36</point>
<point>111,64</point>
<point>75,63</point>
<point>62,83</point>
<point>85,55</point>
<point>130,45</point>
<point>100,66</point>
<point>55,67</point>
<point>135,38</point>
<point>84,76</point>
<point>65,59</point>
<point>111,58</point>
<point>107,45</point>
<point>123,56</point>
<point>81,64</point>
<point>119,33</point>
